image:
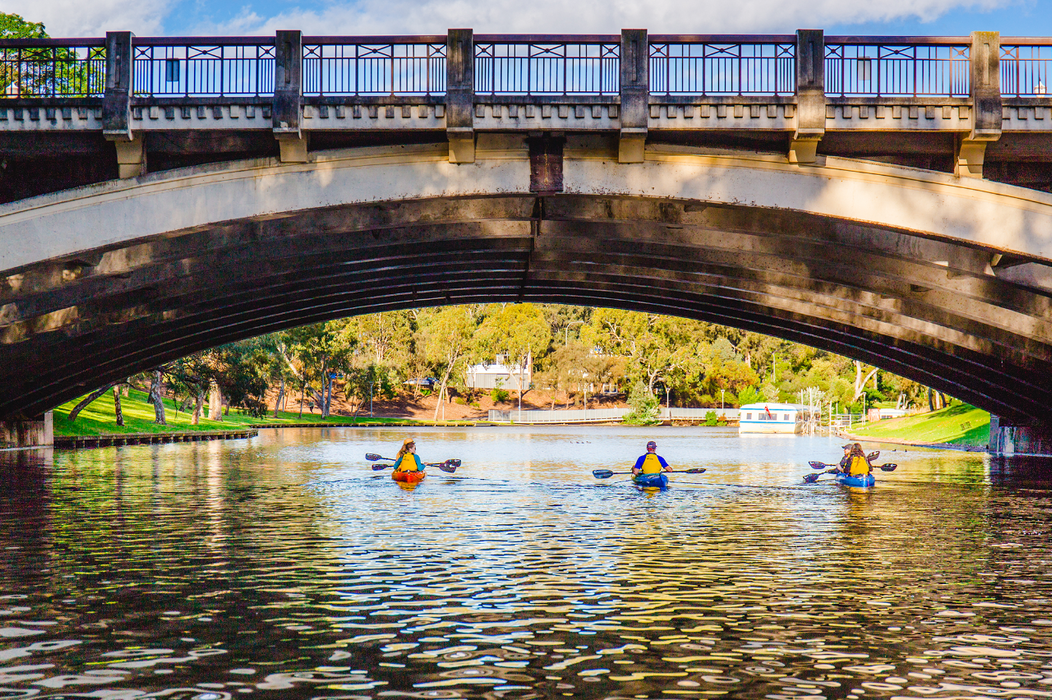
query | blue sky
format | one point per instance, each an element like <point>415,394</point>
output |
<point>65,18</point>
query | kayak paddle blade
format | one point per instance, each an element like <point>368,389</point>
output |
<point>888,467</point>
<point>695,470</point>
<point>453,462</point>
<point>380,467</point>
<point>447,467</point>
<point>373,457</point>
<point>818,465</point>
<point>873,455</point>
<point>811,478</point>
<point>602,473</point>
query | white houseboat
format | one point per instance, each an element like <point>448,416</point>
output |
<point>772,417</point>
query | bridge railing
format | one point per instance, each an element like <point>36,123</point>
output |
<point>1026,67</point>
<point>548,65</point>
<point>218,67</point>
<point>353,66</point>
<point>705,65</point>
<point>722,65</point>
<point>897,66</point>
<point>52,68</point>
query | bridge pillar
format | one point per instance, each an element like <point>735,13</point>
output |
<point>1015,438</point>
<point>35,432</point>
<point>985,60</point>
<point>635,95</point>
<point>460,95</point>
<point>288,101</point>
<point>810,96</point>
<point>116,105</point>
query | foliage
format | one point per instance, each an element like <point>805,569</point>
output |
<point>499,395</point>
<point>37,72</point>
<point>711,418</point>
<point>517,331</point>
<point>645,406</point>
<point>749,395</point>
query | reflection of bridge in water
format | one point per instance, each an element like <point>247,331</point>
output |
<point>883,198</point>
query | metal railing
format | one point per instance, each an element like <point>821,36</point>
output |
<point>730,65</point>
<point>52,68</point>
<point>520,65</point>
<point>583,65</point>
<point>1026,67</point>
<point>374,66</point>
<point>203,67</point>
<point>897,67</point>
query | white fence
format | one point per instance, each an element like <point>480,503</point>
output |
<point>604,415</point>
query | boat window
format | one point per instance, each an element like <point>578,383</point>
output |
<point>786,417</point>
<point>748,416</point>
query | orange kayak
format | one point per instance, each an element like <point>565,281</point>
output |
<point>408,477</point>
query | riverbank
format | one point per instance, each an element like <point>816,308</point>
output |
<point>958,427</point>
<point>98,420</point>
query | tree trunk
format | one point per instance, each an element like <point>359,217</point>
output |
<point>215,401</point>
<point>199,401</point>
<point>118,414</point>
<point>303,391</point>
<point>86,400</point>
<point>156,390</point>
<point>281,396</point>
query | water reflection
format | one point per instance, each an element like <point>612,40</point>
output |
<point>285,567</point>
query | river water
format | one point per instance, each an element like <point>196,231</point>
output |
<point>284,567</point>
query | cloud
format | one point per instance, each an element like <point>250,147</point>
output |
<point>589,16</point>
<point>92,18</point>
<point>66,18</point>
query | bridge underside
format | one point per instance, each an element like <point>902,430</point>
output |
<point>923,307</point>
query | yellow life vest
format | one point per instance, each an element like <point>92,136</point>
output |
<point>651,464</point>
<point>858,467</point>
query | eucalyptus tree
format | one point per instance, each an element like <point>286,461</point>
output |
<point>444,337</point>
<point>520,332</point>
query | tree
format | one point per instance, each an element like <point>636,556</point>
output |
<point>645,406</point>
<point>46,71</point>
<point>445,336</point>
<point>517,331</point>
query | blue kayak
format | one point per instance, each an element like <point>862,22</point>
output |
<point>659,480</point>
<point>859,482</point>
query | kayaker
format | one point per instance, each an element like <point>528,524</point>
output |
<point>407,460</point>
<point>651,462</point>
<point>854,462</point>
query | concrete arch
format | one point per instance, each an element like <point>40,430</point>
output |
<point>943,280</point>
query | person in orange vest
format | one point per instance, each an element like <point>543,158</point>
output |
<point>407,460</point>
<point>854,462</point>
<point>651,462</point>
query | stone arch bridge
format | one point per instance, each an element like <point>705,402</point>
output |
<point>769,220</point>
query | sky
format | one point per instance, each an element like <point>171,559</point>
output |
<point>89,18</point>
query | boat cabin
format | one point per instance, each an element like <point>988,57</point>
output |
<point>772,417</point>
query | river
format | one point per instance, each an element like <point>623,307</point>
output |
<point>284,567</point>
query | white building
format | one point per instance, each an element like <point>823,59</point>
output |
<point>500,375</point>
<point>772,417</point>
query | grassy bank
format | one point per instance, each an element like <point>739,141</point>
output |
<point>98,418</point>
<point>960,424</point>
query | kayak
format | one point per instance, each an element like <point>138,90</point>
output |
<point>659,480</point>
<point>859,482</point>
<point>408,477</point>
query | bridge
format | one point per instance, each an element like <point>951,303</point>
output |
<point>883,198</point>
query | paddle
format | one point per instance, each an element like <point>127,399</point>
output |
<point>812,478</point>
<point>449,466</point>
<point>822,465</point>
<point>606,473</point>
<point>882,467</point>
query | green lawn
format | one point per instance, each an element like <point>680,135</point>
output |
<point>959,424</point>
<point>98,418</point>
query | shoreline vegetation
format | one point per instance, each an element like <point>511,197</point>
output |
<point>959,426</point>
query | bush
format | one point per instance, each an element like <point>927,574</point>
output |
<point>499,395</point>
<point>645,406</point>
<point>711,418</point>
<point>475,405</point>
<point>459,400</point>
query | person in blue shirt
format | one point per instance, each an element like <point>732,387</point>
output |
<point>651,462</point>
